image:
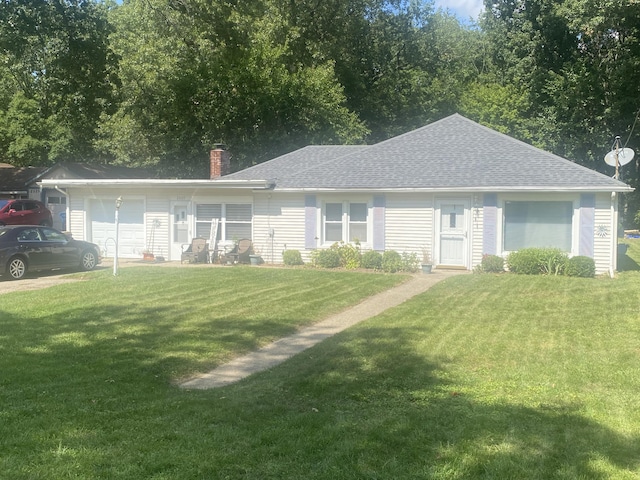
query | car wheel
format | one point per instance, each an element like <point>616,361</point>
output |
<point>89,260</point>
<point>17,268</point>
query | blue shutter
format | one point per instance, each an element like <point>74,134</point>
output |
<point>587,224</point>
<point>379,206</point>
<point>310,222</point>
<point>490,224</point>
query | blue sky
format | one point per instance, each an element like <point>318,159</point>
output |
<point>463,9</point>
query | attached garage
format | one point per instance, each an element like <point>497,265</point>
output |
<point>130,224</point>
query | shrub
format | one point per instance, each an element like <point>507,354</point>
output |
<point>350,256</point>
<point>371,260</point>
<point>391,261</point>
<point>580,266</point>
<point>292,257</point>
<point>537,261</point>
<point>410,262</point>
<point>491,264</point>
<point>328,258</point>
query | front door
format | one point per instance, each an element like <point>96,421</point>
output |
<point>179,229</point>
<point>452,224</point>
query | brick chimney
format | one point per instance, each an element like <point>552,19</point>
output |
<point>219,162</point>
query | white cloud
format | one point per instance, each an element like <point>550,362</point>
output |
<point>463,9</point>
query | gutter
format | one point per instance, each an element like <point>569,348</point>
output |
<point>141,183</point>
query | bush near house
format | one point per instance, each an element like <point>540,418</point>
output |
<point>292,258</point>
<point>371,260</point>
<point>349,253</point>
<point>325,258</point>
<point>549,261</point>
<point>491,264</point>
<point>410,262</point>
<point>580,266</point>
<point>391,261</point>
<point>349,256</point>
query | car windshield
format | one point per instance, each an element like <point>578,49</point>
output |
<point>3,231</point>
<point>3,203</point>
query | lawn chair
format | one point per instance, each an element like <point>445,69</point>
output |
<point>196,252</point>
<point>240,253</point>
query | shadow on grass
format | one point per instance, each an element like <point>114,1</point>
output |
<point>364,404</point>
<point>627,264</point>
<point>384,411</point>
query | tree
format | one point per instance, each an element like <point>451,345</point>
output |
<point>58,70</point>
<point>196,72</point>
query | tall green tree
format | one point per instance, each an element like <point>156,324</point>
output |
<point>195,73</point>
<point>58,72</point>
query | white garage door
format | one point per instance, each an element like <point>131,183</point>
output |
<point>130,226</point>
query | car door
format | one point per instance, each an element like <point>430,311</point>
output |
<point>15,214</point>
<point>63,252</point>
<point>30,243</point>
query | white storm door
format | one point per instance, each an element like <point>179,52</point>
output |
<point>453,232</point>
<point>179,229</point>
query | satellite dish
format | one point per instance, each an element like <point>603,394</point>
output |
<point>624,155</point>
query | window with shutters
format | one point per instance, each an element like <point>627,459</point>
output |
<point>346,222</point>
<point>538,224</point>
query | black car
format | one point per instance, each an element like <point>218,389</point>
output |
<point>33,248</point>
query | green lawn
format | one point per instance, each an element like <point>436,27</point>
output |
<point>483,376</point>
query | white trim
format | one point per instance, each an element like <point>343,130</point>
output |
<point>321,220</point>
<point>267,184</point>
<point>138,183</point>
<point>575,218</point>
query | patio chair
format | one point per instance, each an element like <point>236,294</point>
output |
<point>240,253</point>
<point>196,252</point>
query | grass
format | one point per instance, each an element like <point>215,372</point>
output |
<point>483,376</point>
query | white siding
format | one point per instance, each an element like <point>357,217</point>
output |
<point>409,223</point>
<point>279,219</point>
<point>283,215</point>
<point>157,225</point>
<point>477,230</point>
<point>603,235</point>
<point>76,216</point>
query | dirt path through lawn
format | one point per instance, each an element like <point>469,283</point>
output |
<point>280,350</point>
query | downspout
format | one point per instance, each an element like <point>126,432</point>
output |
<point>613,261</point>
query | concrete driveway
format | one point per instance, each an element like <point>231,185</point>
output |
<point>36,281</point>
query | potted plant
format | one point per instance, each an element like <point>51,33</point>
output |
<point>255,258</point>
<point>427,265</point>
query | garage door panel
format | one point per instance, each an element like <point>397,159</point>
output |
<point>130,223</point>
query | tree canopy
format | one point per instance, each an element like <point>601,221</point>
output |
<point>158,82</point>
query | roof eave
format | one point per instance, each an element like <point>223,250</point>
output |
<point>142,183</point>
<point>496,189</point>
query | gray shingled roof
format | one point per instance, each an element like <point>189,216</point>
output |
<point>454,153</point>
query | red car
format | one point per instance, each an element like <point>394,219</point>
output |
<point>24,212</point>
<point>32,248</point>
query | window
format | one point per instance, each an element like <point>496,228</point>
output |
<point>358,222</point>
<point>57,200</point>
<point>235,220</point>
<point>345,222</point>
<point>54,236</point>
<point>333,222</point>
<point>537,224</point>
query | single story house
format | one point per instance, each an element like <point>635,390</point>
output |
<point>454,188</point>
